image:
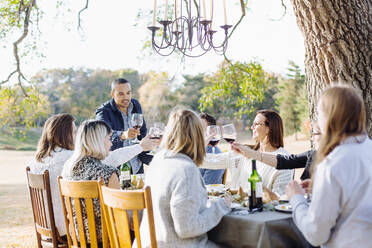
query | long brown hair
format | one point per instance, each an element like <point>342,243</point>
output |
<point>184,134</point>
<point>346,116</point>
<point>275,124</point>
<point>57,132</point>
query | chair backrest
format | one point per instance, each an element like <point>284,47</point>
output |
<point>224,177</point>
<point>72,194</point>
<point>116,203</point>
<point>41,201</point>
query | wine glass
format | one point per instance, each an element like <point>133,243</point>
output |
<point>229,133</point>
<point>136,121</point>
<point>216,132</point>
<point>161,128</point>
<point>154,133</point>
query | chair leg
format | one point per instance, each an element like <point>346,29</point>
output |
<point>38,237</point>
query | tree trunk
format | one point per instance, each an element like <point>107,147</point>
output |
<point>338,45</point>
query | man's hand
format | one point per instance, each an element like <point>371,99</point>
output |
<point>131,133</point>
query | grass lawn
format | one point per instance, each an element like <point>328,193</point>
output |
<point>26,141</point>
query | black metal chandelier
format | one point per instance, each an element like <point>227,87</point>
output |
<point>193,36</point>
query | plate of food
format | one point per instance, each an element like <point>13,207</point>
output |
<point>285,208</point>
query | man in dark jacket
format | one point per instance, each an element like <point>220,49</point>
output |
<point>118,113</point>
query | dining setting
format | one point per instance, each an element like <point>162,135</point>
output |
<point>117,181</point>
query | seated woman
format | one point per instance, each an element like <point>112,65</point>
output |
<point>183,213</point>
<point>339,214</point>
<point>283,162</point>
<point>93,144</point>
<point>56,147</point>
<point>268,133</point>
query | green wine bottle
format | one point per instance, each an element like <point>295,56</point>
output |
<point>125,176</point>
<point>255,199</point>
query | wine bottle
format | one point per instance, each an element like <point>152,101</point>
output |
<point>255,199</point>
<point>125,176</point>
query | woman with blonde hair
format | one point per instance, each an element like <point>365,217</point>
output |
<point>340,211</point>
<point>56,146</point>
<point>92,147</point>
<point>183,213</point>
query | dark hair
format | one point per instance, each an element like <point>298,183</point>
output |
<point>275,124</point>
<point>118,81</point>
<point>57,132</point>
<point>210,119</point>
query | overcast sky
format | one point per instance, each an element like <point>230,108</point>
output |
<point>111,40</point>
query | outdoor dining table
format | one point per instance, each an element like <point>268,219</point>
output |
<point>258,229</point>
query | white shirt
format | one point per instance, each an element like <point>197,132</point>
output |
<point>241,168</point>
<point>54,164</point>
<point>340,213</point>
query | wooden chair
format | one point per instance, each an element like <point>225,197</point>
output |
<point>42,209</point>
<point>116,203</point>
<point>224,178</point>
<point>72,194</point>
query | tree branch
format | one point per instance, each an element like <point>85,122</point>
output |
<point>79,14</point>
<point>26,9</point>
<point>243,6</point>
<point>284,12</point>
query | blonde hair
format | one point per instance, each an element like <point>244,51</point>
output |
<point>346,116</point>
<point>89,142</point>
<point>184,134</point>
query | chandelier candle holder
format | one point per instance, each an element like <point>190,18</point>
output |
<point>192,35</point>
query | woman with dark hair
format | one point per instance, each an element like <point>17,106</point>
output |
<point>56,146</point>
<point>267,130</point>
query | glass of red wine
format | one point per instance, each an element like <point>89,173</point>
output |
<point>229,133</point>
<point>154,133</point>
<point>216,132</point>
<point>136,121</point>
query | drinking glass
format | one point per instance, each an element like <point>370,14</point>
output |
<point>137,121</point>
<point>154,133</point>
<point>229,133</point>
<point>216,132</point>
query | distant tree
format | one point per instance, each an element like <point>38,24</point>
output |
<point>292,99</point>
<point>19,111</point>
<point>236,87</point>
<point>155,97</point>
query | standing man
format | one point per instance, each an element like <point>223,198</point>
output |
<point>118,113</point>
<point>211,176</point>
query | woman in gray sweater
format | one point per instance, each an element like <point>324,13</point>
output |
<point>183,213</point>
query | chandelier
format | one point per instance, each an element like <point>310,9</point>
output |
<point>192,35</point>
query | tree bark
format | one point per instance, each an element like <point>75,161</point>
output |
<point>338,46</point>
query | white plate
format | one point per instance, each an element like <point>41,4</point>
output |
<point>285,208</point>
<point>215,187</point>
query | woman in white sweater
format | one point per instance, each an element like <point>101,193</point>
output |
<point>56,146</point>
<point>340,212</point>
<point>183,214</point>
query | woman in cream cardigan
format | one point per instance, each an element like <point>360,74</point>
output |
<point>182,211</point>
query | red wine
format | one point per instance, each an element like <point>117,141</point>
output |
<point>155,137</point>
<point>213,142</point>
<point>229,140</point>
<point>137,127</point>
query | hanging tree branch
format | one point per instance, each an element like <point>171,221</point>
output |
<point>284,12</point>
<point>26,9</point>
<point>81,11</point>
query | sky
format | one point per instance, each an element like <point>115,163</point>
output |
<point>111,41</point>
